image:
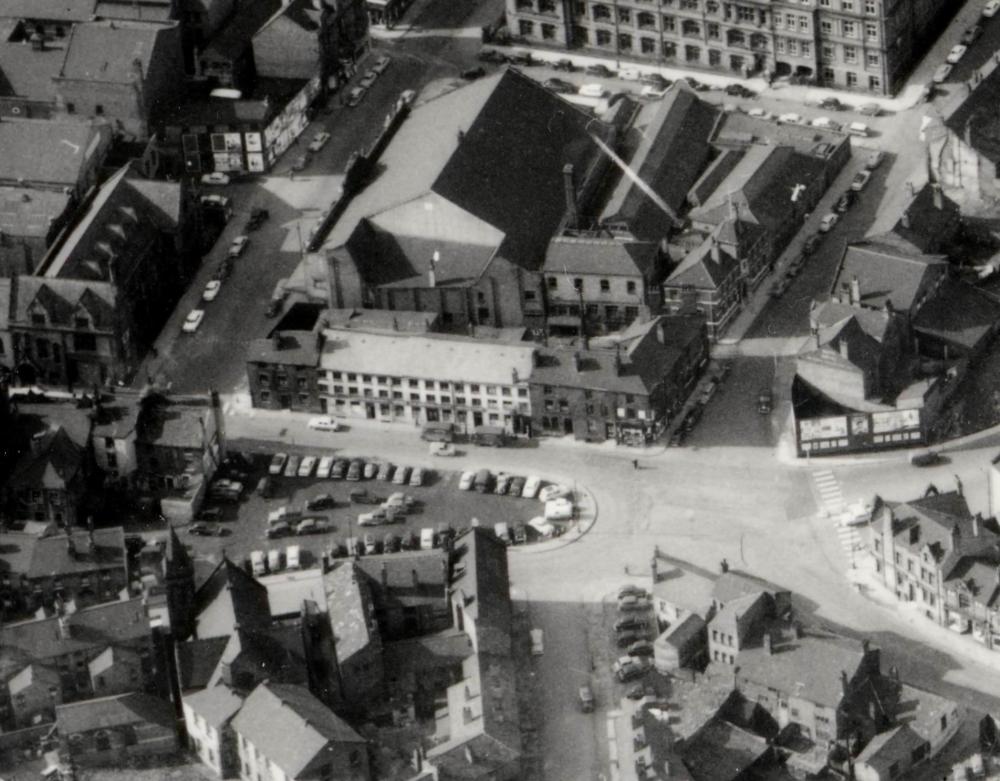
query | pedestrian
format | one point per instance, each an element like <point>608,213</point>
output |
<point>635,463</point>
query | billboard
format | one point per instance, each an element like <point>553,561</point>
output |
<point>822,428</point>
<point>896,420</point>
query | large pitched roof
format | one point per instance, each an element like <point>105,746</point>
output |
<point>292,728</point>
<point>116,711</point>
<point>350,609</point>
<point>230,598</point>
<point>39,557</point>
<point>483,587</point>
<point>886,274</point>
<point>923,224</point>
<point>978,119</point>
<point>604,254</point>
<point>197,661</point>
<point>958,313</point>
<point>675,146</point>
<point>216,704</point>
<point>67,148</point>
<point>53,462</point>
<point>61,299</point>
<point>701,270</point>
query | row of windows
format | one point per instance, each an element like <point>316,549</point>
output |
<point>41,318</point>
<point>870,7</point>
<point>603,284</point>
<point>721,637</point>
<point>442,385</point>
<point>427,398</point>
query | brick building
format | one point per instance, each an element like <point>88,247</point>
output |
<point>111,731</point>
<point>49,482</point>
<point>867,45</point>
<point>623,387</point>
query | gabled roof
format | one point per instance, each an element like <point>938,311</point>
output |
<point>398,571</point>
<point>60,299</point>
<point>720,751</point>
<point>482,586</point>
<point>925,222</point>
<point>31,212</point>
<point>959,314</point>
<point>54,462</point>
<point>216,704</point>
<point>112,51</point>
<point>350,609</point>
<point>33,676</point>
<point>976,118</point>
<point>674,148</point>
<point>831,315</point>
<point>197,661</point>
<point>888,748</point>
<point>228,599</point>
<point>235,37</point>
<point>116,711</point>
<point>291,728</point>
<point>701,270</point>
<point>605,255</point>
<point>886,274</point>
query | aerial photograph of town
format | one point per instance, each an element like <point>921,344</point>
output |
<point>499,390</point>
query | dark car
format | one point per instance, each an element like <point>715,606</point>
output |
<point>408,541</point>
<point>632,590</point>
<point>739,91</point>
<point>832,104</point>
<point>641,648</point>
<point>565,65</point>
<point>691,420</point>
<point>492,55</point>
<point>639,691</point>
<point>599,70</point>
<point>655,80</point>
<point>390,543</point>
<point>969,36</point>
<point>697,86</point>
<point>471,74</point>
<point>520,534</point>
<point>223,270</point>
<point>811,243</point>
<point>257,218</point>
<point>629,672</point>
<point>210,514</point>
<point>354,471</point>
<point>629,636</point>
<point>559,85</point>
<point>927,458</point>
<point>204,530</point>
<point>516,487</point>
<point>339,469</point>
<point>320,502</point>
<point>844,202</point>
<point>629,623</point>
<point>444,533</point>
<point>523,58</point>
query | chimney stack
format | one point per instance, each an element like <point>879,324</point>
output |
<point>572,217</point>
<point>768,647</point>
<point>938,196</point>
<point>855,291</point>
<point>716,257</point>
<point>845,684</point>
<point>905,220</point>
<point>432,271</point>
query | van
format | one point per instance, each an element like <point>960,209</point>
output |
<point>257,562</point>
<point>858,129</point>
<point>438,432</point>
<point>483,481</point>
<point>426,538</point>
<point>293,557</point>
<point>274,560</point>
<point>489,436</point>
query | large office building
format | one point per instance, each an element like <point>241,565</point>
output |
<point>867,45</point>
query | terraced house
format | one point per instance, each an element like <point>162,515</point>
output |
<point>856,44</point>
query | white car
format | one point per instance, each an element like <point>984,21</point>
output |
<point>193,320</point>
<point>531,486</point>
<point>212,290</point>
<point>238,246</point>
<point>368,79</point>
<point>957,53</point>
<point>592,91</point>
<point>355,96</point>
<point>791,119</point>
<point>760,113</point>
<point>860,180</point>
<point>407,97</point>
<point>277,465</point>
<point>827,223</point>
<point>537,642</point>
<point>550,492</point>
<point>319,141</point>
<point>942,73</point>
<point>629,74</point>
<point>324,424</point>
<point>466,480</point>
<point>306,466</point>
<point>654,93</point>
<point>825,123</point>
<point>560,509</point>
<point>991,8</point>
<point>216,178</point>
<point>381,64</point>
<point>324,466</point>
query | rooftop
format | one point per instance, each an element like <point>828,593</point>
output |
<point>959,314</point>
<point>116,711</point>
<point>197,661</point>
<point>381,320</point>
<point>114,51</point>
<point>53,462</point>
<point>216,705</point>
<point>977,119</point>
<point>230,598</point>
<point>42,557</point>
<point>70,148</point>
<point>26,72</point>
<point>482,586</point>
<point>287,348</point>
<point>721,751</point>
<point>890,748</point>
<point>886,274</point>
<point>704,269</point>
<point>29,212</point>
<point>286,591</point>
<point>349,606</point>
<point>290,727</point>
<point>602,254</point>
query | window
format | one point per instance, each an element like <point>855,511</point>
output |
<point>624,44</point>
<point>850,55</point>
<point>525,28</point>
<point>605,286</point>
<point>669,24</point>
<point>874,83</point>
<point>852,79</point>
<point>870,7</point>
<point>847,28</point>
<point>577,283</point>
<point>872,59</point>
<point>871,31</point>
<point>630,287</point>
<point>692,53</point>
<point>826,27</point>
<point>85,342</point>
<point>648,46</point>
<point>690,28</point>
<point>713,31</point>
<point>548,33</point>
<point>625,16</point>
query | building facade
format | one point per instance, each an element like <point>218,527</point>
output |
<point>866,45</point>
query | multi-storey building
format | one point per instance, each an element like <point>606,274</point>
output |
<point>857,44</point>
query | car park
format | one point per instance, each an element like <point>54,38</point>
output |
<point>466,481</point>
<point>355,470</point>
<point>324,423</point>
<point>381,64</point>
<point>402,475</point>
<point>355,96</point>
<point>215,179</point>
<point>306,466</point>
<point>238,246</point>
<point>193,321</point>
<point>277,465</point>
<point>860,180</point>
<point>323,467</point>
<point>942,73</point>
<point>956,53</point>
<point>292,466</point>
<point>417,476</point>
<point>212,289</point>
<point>844,202</point>
<point>828,222</point>
<point>531,486</point>
<point>559,85</point>
<point>320,502</point>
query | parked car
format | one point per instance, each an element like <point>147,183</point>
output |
<point>537,642</point>
<point>593,91</point>
<point>381,64</point>
<point>516,487</point>
<point>466,481</point>
<point>707,391</point>
<point>655,80</point>
<point>292,466</point>
<point>385,472</point>
<point>373,518</point>
<point>628,669</point>
<point>444,533</point>
<point>306,466</point>
<point>258,563</point>
<point>277,465</point>
<point>279,529</point>
<point>629,622</point>
<point>238,246</point>
<point>739,91</point>
<point>210,514</point>
<point>502,481</point>
<point>361,496</point>
<point>832,104</point>
<point>626,638</point>
<point>212,290</point>
<point>323,467</point>
<point>371,470</point>
<point>339,470</point>
<point>390,543</point>
<point>585,697</point>
<point>471,74</point>
<point>492,55</point>
<point>828,222</point>
<point>325,423</point>
<point>927,458</point>
<point>844,202</point>
<point>311,526</point>
<point>825,123</point>
<point>641,648</point>
<point>956,53</point>
<point>599,70</point>
<point>991,8</point>
<point>561,509</point>
<point>193,321</point>
<point>531,486</point>
<point>760,113</point>
<point>417,476</point>
<point>811,243</point>
<point>520,534</point>
<point>257,218</point>
<point>942,73</point>
<point>654,92</point>
<point>200,529</point>
<point>355,470</point>
<point>970,36</point>
<point>870,109</point>
<point>371,544</point>
<point>791,118</point>
<point>554,491</point>
<point>875,160</point>
<point>300,163</point>
<point>521,58</point>
<point>559,85</point>
<point>355,96</point>
<point>402,475</point>
<point>215,179</point>
<point>320,502</point>
<point>368,80</point>
<point>631,590</point>
<point>860,180</point>
<point>629,74</point>
<point>632,602</point>
<point>444,449</point>
<point>565,65</point>
<point>797,264</point>
<point>858,129</point>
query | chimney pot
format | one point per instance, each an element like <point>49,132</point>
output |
<point>768,647</point>
<point>716,256</point>
<point>938,196</point>
<point>855,291</point>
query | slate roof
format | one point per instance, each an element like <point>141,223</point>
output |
<point>291,728</point>
<point>48,10</point>
<point>453,358</point>
<point>921,227</point>
<point>381,319</point>
<point>216,704</point>
<point>31,212</point>
<point>37,675</point>
<point>958,313</point>
<point>350,609</point>
<point>887,748</point>
<point>54,462</point>
<point>832,314</point>
<point>886,274</point>
<point>602,255</point>
<point>115,711</point>
<point>294,348</point>
<point>68,148</point>
<point>235,37</point>
<point>61,299</point>
<point>173,423</point>
<point>682,632</point>
<point>808,667</point>
<point>721,751</point>
<point>674,149</point>
<point>700,270</point>
<point>197,661</point>
<point>26,72</point>
<point>229,598</point>
<point>41,557</point>
<point>286,591</point>
<point>977,116</point>
<point>105,51</point>
<point>483,587</point>
<point>398,569</point>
